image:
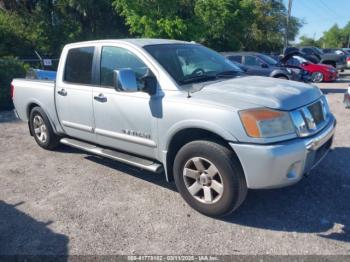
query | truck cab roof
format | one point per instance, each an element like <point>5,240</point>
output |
<point>140,42</point>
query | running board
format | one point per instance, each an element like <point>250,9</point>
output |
<point>142,163</point>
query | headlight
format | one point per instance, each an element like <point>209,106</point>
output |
<point>289,71</point>
<point>264,123</point>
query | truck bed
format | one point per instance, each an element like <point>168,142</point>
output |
<point>28,93</point>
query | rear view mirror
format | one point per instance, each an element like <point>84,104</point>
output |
<point>264,66</point>
<point>125,80</point>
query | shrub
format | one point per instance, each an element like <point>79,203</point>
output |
<point>10,68</point>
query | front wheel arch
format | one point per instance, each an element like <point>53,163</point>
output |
<point>185,136</point>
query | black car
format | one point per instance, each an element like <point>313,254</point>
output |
<point>263,65</point>
<point>318,56</point>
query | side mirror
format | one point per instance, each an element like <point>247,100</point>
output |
<point>125,80</point>
<point>264,66</point>
<point>149,83</point>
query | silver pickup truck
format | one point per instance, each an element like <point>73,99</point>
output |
<point>183,110</point>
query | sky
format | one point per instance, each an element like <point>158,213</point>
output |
<point>320,15</point>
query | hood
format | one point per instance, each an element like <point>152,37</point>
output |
<point>260,91</point>
<point>288,55</point>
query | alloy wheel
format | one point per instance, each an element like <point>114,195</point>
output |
<point>203,180</point>
<point>40,129</point>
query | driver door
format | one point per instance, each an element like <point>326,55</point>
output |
<point>123,120</point>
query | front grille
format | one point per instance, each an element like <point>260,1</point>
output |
<point>317,112</point>
<point>312,118</point>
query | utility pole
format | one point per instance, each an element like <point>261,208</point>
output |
<point>288,18</point>
<point>349,42</point>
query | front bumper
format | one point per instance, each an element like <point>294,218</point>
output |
<point>285,163</point>
<point>331,76</point>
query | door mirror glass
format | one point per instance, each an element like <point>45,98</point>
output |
<point>125,80</point>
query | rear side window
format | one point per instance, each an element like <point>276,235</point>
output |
<point>236,58</point>
<point>78,69</point>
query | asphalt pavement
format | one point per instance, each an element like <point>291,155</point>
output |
<point>70,202</point>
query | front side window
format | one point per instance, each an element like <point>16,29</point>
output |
<point>251,61</point>
<point>78,68</point>
<point>114,58</point>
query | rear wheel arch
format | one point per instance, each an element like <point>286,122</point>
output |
<point>31,106</point>
<point>185,136</point>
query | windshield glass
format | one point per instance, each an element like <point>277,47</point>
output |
<point>318,50</point>
<point>268,60</point>
<point>192,63</point>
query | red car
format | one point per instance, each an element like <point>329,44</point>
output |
<point>319,72</point>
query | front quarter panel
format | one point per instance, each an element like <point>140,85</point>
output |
<point>181,113</point>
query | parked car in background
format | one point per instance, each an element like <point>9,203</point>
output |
<point>179,107</point>
<point>262,65</point>
<point>319,72</point>
<point>338,51</point>
<point>338,61</point>
<point>347,52</point>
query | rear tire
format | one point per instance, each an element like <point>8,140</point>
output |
<point>210,178</point>
<point>41,129</point>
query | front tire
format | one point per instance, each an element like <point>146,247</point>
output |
<point>42,130</point>
<point>317,77</point>
<point>210,178</point>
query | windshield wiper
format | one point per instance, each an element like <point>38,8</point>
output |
<point>195,79</point>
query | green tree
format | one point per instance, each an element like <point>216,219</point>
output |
<point>333,37</point>
<point>14,38</point>
<point>220,24</point>
<point>223,22</point>
<point>307,41</point>
<point>161,18</point>
<point>268,24</point>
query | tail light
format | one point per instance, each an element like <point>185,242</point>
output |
<point>348,59</point>
<point>12,90</point>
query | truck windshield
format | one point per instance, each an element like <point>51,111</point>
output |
<point>192,63</point>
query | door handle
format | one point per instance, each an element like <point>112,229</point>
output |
<point>100,98</point>
<point>62,92</point>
